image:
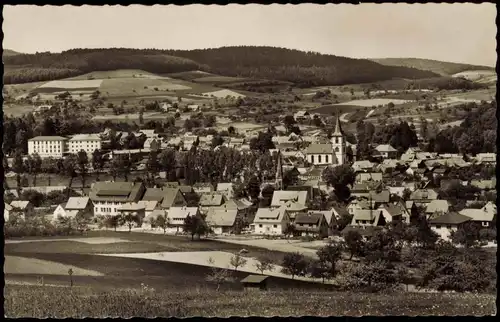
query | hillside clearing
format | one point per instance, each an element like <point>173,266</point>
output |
<point>72,84</point>
<point>22,265</point>
<point>224,93</point>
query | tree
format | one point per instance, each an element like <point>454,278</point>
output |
<point>122,164</point>
<point>153,165</point>
<point>403,276</point>
<point>253,187</point>
<point>294,264</point>
<point>217,140</point>
<point>375,275</point>
<point>467,235</point>
<point>112,221</point>
<point>35,166</point>
<point>264,264</point>
<point>69,165</point>
<point>217,275</point>
<point>291,177</point>
<point>130,219</point>
<point>329,255</point>
<point>340,177</point>
<point>231,130</point>
<point>98,161</point>
<point>18,168</point>
<point>82,164</point>
<point>195,225</point>
<point>237,261</point>
<point>354,243</point>
<point>267,195</point>
<point>289,121</point>
<point>82,221</point>
<point>319,269</point>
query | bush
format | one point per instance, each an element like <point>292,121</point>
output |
<point>39,226</point>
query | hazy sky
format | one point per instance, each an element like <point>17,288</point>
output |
<point>451,32</point>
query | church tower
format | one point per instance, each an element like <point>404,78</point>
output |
<point>339,143</point>
<point>279,173</point>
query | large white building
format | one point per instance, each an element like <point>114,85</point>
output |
<point>86,142</point>
<point>109,197</point>
<point>333,153</point>
<point>48,146</point>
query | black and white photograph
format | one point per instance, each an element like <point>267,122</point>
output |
<point>249,160</point>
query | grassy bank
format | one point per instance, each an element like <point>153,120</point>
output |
<point>47,301</point>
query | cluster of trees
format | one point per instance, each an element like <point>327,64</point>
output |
<point>399,254</point>
<point>199,120</point>
<point>80,61</point>
<point>41,226</point>
<point>38,199</point>
<point>301,68</point>
<point>477,133</point>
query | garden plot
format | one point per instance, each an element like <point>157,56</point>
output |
<point>220,260</point>
<point>23,265</point>
<point>72,84</point>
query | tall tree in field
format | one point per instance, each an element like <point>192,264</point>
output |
<point>122,163</point>
<point>167,161</point>
<point>340,177</point>
<point>354,243</point>
<point>97,162</point>
<point>130,220</point>
<point>163,222</point>
<point>330,254</point>
<point>69,165</point>
<point>34,166</point>
<point>82,164</point>
<point>18,168</point>
<point>294,264</point>
<point>152,166</point>
<point>195,225</point>
<point>237,261</point>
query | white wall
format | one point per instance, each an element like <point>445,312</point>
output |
<point>88,146</point>
<point>443,232</point>
<point>47,149</point>
<point>113,206</point>
<point>325,159</point>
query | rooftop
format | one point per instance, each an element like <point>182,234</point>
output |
<point>48,138</point>
<point>86,137</point>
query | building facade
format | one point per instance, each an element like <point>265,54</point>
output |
<point>48,146</point>
<point>86,142</point>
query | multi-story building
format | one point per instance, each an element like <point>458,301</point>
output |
<point>48,146</point>
<point>109,197</point>
<point>86,142</point>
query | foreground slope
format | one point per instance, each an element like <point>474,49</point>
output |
<point>439,67</point>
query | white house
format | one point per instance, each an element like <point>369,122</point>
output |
<point>226,188</point>
<point>177,215</point>
<point>386,151</point>
<point>445,224</point>
<point>86,142</point>
<point>149,206</point>
<point>48,146</point>
<point>7,211</point>
<point>270,221</point>
<point>221,220</point>
<point>484,215</point>
<point>108,197</point>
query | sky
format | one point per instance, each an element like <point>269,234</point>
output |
<point>450,32</point>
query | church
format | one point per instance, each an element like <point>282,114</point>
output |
<point>333,153</point>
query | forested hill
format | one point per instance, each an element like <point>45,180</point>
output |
<point>9,52</point>
<point>301,68</point>
<point>436,66</point>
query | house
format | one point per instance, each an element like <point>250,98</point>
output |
<point>447,223</point>
<point>23,207</point>
<point>107,197</point>
<point>320,154</point>
<point>255,282</point>
<point>440,172</point>
<point>270,221</point>
<point>75,206</point>
<point>386,151</point>
<point>388,165</point>
<point>486,158</point>
<point>210,199</point>
<point>152,144</point>
<point>301,115</point>
<point>313,173</point>
<point>282,197</point>
<point>149,206</point>
<point>362,177</point>
<point>177,215</point>
<point>363,166</point>
<point>484,184</point>
<point>437,206</point>
<point>193,107</point>
<point>392,212</point>
<point>423,196</point>
<point>235,143</point>
<point>86,142</point>
<point>226,188</point>
<point>484,216</point>
<point>364,218</point>
<point>203,187</point>
<point>172,197</point>
<point>222,220</point>
<point>153,216</point>
<point>314,224</point>
<point>48,146</point>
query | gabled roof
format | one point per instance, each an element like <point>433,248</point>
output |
<point>451,218</point>
<point>369,176</point>
<point>225,186</point>
<point>477,214</point>
<point>211,199</point>
<point>269,215</point>
<point>437,205</point>
<point>148,205</point>
<point>77,203</point>
<point>424,194</point>
<point>281,197</point>
<point>20,204</point>
<point>363,164</point>
<point>155,194</point>
<point>393,210</point>
<point>328,214</point>
<point>382,196</point>
<point>86,137</point>
<point>7,207</point>
<point>131,206</point>
<point>221,216</point>
<point>309,218</point>
<point>169,195</point>
<point>385,148</point>
<point>48,138</point>
<point>319,148</point>
<point>182,212</point>
<point>254,279</point>
<point>116,191</point>
<point>339,211</point>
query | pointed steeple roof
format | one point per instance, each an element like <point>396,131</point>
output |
<point>338,129</point>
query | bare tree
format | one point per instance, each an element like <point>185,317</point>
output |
<point>217,275</point>
<point>237,261</point>
<point>264,264</point>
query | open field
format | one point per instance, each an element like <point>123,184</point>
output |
<point>477,75</point>
<point>46,301</point>
<point>71,85</point>
<point>214,80</point>
<point>22,265</point>
<point>223,93</point>
<point>374,102</point>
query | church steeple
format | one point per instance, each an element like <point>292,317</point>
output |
<point>338,129</point>
<point>279,173</point>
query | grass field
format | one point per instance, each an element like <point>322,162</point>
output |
<point>57,302</point>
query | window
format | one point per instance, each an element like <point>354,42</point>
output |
<point>486,224</point>
<point>312,158</point>
<point>310,225</point>
<point>438,226</point>
<point>260,225</point>
<point>275,226</point>
<point>319,158</point>
<point>448,226</point>
<point>337,149</point>
<point>326,159</point>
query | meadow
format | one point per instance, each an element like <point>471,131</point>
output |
<point>59,302</point>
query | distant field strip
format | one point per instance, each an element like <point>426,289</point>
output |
<point>23,265</point>
<point>374,102</point>
<point>90,240</point>
<point>223,93</point>
<point>73,84</point>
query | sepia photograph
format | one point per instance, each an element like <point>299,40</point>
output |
<point>249,160</point>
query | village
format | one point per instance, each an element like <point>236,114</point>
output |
<point>296,199</point>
